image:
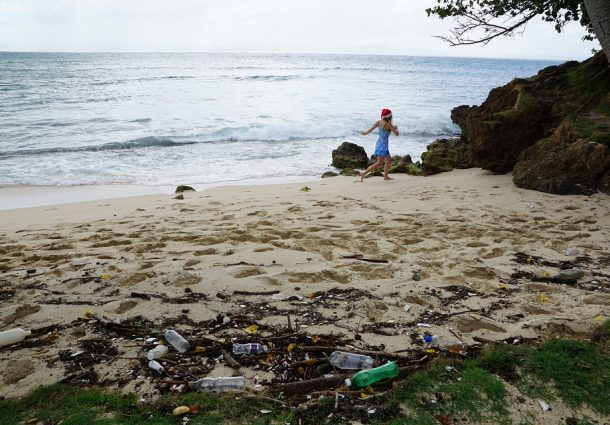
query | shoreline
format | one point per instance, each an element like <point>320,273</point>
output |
<point>31,196</point>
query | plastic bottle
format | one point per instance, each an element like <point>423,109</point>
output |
<point>157,352</point>
<point>344,360</point>
<point>249,348</point>
<point>156,366</point>
<point>13,336</point>
<point>237,383</point>
<point>176,340</point>
<point>364,378</point>
<point>446,343</point>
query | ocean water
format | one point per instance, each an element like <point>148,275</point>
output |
<point>200,118</point>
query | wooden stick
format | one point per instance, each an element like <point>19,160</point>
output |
<point>355,351</point>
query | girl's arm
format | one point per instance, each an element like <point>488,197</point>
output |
<point>394,129</point>
<point>373,127</point>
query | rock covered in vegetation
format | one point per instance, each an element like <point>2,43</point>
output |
<point>552,130</point>
<point>349,172</point>
<point>328,174</point>
<point>445,155</point>
<point>349,155</point>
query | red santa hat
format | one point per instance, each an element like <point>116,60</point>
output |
<point>385,113</point>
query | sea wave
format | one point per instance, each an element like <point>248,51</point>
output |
<point>267,77</point>
<point>271,133</point>
<point>144,142</point>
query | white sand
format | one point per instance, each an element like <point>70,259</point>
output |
<point>455,229</point>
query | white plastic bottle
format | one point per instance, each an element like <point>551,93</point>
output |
<point>156,366</point>
<point>157,352</point>
<point>249,348</point>
<point>342,360</point>
<point>176,340</point>
<point>236,383</point>
<point>13,336</point>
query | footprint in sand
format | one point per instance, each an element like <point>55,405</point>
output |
<point>266,249</point>
<point>472,323</point>
<point>137,277</point>
<point>125,306</point>
<point>21,312</point>
<point>184,278</point>
<point>191,263</point>
<point>251,271</point>
<point>209,251</point>
<point>17,370</point>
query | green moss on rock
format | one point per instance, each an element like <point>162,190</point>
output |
<point>445,155</point>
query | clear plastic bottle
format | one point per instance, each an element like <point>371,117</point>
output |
<point>446,343</point>
<point>177,341</point>
<point>156,366</point>
<point>249,348</point>
<point>157,352</point>
<point>364,378</point>
<point>236,383</point>
<point>344,360</point>
<point>13,336</point>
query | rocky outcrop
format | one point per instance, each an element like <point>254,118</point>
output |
<point>445,155</point>
<point>184,188</point>
<point>552,130</point>
<point>349,155</point>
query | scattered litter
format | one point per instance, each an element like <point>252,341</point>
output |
<point>265,411</point>
<point>407,307</point>
<point>13,336</point>
<point>544,406</point>
<point>252,329</point>
<point>156,366</point>
<point>181,410</point>
<point>424,325</point>
<point>571,250</point>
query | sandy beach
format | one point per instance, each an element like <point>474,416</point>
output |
<point>462,253</point>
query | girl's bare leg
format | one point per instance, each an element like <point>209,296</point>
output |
<point>386,167</point>
<point>376,165</point>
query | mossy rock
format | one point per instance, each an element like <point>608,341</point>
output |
<point>184,188</point>
<point>349,155</point>
<point>445,155</point>
<point>329,174</point>
<point>415,170</point>
<point>349,172</point>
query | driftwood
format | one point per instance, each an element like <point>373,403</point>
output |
<point>360,257</point>
<point>255,293</point>
<point>315,348</point>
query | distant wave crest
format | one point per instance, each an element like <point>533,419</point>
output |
<point>144,142</point>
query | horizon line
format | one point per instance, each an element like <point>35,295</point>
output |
<point>282,53</point>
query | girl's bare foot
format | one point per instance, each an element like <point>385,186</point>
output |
<point>361,175</point>
<point>388,178</point>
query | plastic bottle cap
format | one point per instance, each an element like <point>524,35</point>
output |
<point>348,382</point>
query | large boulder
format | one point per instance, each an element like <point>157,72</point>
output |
<point>552,130</point>
<point>349,155</point>
<point>445,155</point>
<point>400,164</point>
<point>564,163</point>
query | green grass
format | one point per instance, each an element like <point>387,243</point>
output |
<point>77,406</point>
<point>473,390</point>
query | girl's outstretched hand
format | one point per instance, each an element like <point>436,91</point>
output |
<point>364,133</point>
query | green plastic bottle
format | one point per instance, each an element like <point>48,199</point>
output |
<point>364,378</point>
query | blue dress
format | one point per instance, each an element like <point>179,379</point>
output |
<point>381,148</point>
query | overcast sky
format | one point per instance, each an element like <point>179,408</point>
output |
<point>328,26</point>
